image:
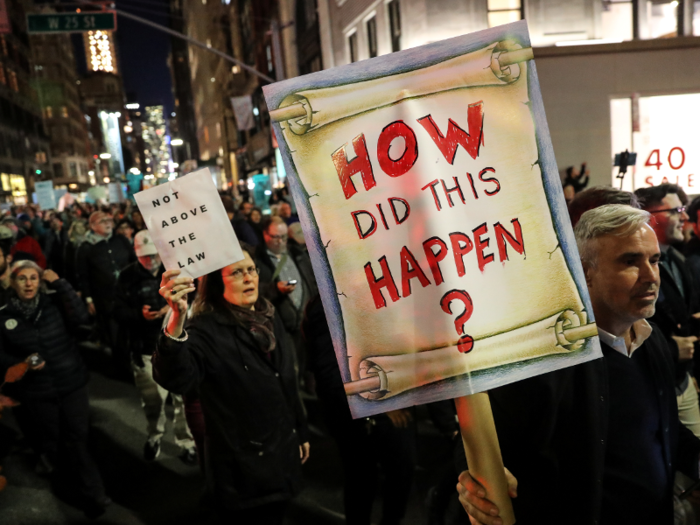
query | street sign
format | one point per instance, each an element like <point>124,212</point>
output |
<point>71,22</point>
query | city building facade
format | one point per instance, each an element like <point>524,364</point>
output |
<point>615,75</point>
<point>25,154</point>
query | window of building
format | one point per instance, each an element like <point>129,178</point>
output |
<point>310,13</point>
<point>58,170</point>
<point>352,47</point>
<point>616,20</point>
<point>64,112</point>
<point>14,85</point>
<point>73,170</point>
<point>504,11</point>
<point>696,18</point>
<point>372,36</point>
<point>268,55</point>
<point>218,130</point>
<point>48,110</point>
<point>662,19</point>
<point>394,24</point>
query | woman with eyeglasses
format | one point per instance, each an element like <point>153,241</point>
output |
<point>235,354</point>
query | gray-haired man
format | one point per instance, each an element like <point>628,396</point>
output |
<point>619,466</point>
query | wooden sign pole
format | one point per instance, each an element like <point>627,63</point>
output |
<point>483,452</point>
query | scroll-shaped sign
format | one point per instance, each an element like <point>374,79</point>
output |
<point>189,225</point>
<point>434,214</point>
<point>45,194</point>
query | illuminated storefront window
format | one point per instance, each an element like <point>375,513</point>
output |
<point>616,20</point>
<point>504,11</point>
<point>662,131</point>
<point>15,184</point>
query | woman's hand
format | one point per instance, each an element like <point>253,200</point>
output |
<point>304,452</point>
<point>174,290</point>
<point>472,496</point>
<point>50,276</point>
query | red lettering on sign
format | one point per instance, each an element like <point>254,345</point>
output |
<point>360,164</point>
<point>456,136</point>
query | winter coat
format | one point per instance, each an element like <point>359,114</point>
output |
<point>100,261</point>
<point>137,287</point>
<point>253,414</point>
<point>291,317</point>
<point>47,333</point>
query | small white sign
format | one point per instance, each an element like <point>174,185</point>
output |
<point>189,225</point>
<point>45,195</point>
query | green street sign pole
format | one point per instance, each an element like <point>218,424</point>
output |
<point>71,22</point>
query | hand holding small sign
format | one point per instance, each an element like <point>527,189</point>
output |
<point>175,289</point>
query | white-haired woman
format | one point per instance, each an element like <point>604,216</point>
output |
<point>34,327</point>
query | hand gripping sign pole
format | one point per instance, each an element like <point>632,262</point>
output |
<point>426,186</point>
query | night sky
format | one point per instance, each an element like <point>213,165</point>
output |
<point>143,53</point>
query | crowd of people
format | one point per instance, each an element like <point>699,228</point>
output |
<point>234,350</point>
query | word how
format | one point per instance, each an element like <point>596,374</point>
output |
<point>395,167</point>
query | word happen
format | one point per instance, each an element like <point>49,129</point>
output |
<point>436,250</point>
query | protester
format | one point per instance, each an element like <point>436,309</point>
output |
<point>100,260</point>
<point>126,230</point>
<point>236,354</point>
<point>598,196</point>
<point>35,326</point>
<point>285,212</point>
<point>139,306</point>
<point>598,442</point>
<point>5,263</point>
<point>386,440</point>
<point>575,181</point>
<point>24,246</point>
<point>255,222</point>
<point>55,239</point>
<point>286,279</point>
<point>137,221</point>
<point>678,308</point>
<point>243,229</point>
<point>76,237</point>
<point>692,247</point>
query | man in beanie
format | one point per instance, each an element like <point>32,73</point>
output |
<point>139,306</point>
<point>100,260</point>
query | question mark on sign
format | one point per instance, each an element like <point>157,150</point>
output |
<point>466,342</point>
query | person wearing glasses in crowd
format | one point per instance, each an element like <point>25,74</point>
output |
<point>235,353</point>
<point>140,308</point>
<point>286,279</point>
<point>678,307</point>
<point>100,259</point>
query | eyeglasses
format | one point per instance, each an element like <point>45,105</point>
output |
<point>238,274</point>
<point>278,237</point>
<point>672,211</point>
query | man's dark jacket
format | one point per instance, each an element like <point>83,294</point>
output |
<point>674,310</point>
<point>137,287</point>
<point>553,431</point>
<point>253,414</point>
<point>47,333</point>
<point>291,317</point>
<point>54,243</point>
<point>99,263</point>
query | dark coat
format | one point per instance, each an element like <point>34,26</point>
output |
<point>253,414</point>
<point>291,317</point>
<point>553,428</point>
<point>48,334</point>
<point>54,250</point>
<point>99,263</point>
<point>674,310</point>
<point>137,287</point>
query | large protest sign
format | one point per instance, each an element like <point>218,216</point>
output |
<point>433,210</point>
<point>189,225</point>
<point>45,195</point>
